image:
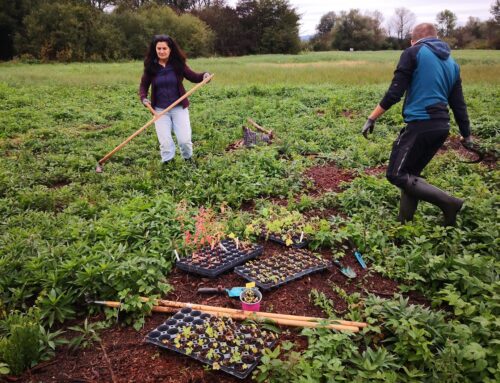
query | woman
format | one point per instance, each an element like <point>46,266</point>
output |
<point>164,69</point>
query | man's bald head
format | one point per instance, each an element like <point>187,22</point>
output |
<point>423,30</point>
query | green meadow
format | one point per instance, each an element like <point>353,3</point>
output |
<point>313,68</point>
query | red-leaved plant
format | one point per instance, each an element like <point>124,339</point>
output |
<point>207,230</point>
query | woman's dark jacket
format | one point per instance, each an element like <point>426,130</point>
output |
<point>147,80</point>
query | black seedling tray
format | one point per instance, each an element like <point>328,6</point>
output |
<point>276,238</point>
<point>211,263</point>
<point>187,333</point>
<point>282,268</point>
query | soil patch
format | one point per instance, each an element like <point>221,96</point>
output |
<point>324,213</point>
<point>347,113</point>
<point>376,171</point>
<point>453,143</point>
<point>57,184</point>
<point>328,178</point>
<point>248,206</point>
<point>132,360</point>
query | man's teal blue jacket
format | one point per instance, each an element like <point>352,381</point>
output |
<point>431,80</point>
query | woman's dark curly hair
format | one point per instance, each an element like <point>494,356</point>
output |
<point>177,56</point>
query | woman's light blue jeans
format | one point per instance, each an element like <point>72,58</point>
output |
<point>177,119</point>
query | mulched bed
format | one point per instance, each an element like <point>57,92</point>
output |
<point>328,178</point>
<point>134,361</point>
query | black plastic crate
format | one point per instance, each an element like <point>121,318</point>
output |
<point>297,243</point>
<point>212,262</point>
<point>236,348</point>
<point>282,268</point>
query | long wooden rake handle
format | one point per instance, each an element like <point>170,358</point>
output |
<point>155,118</point>
<point>259,313</point>
<point>242,315</point>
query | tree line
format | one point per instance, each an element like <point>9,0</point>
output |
<point>362,31</point>
<point>106,30</point>
<point>93,30</point>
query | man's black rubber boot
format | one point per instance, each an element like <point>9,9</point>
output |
<point>407,206</point>
<point>418,188</point>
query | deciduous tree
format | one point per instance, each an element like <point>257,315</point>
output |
<point>326,23</point>
<point>401,23</point>
<point>446,23</point>
<point>224,22</point>
<point>270,26</point>
<point>357,31</point>
<point>495,11</point>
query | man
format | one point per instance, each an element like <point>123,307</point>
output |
<point>431,80</point>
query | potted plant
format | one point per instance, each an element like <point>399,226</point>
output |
<point>250,299</point>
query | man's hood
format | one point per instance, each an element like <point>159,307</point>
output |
<point>438,47</point>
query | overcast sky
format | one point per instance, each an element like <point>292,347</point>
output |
<point>425,10</point>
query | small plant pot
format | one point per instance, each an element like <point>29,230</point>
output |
<point>251,306</point>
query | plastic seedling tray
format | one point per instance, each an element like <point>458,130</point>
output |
<point>281,269</point>
<point>219,342</point>
<point>212,262</point>
<point>297,243</point>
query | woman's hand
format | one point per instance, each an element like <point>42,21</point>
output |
<point>147,104</point>
<point>206,75</point>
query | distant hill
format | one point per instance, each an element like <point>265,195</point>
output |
<point>306,37</point>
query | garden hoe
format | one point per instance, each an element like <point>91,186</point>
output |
<point>233,292</point>
<point>157,116</point>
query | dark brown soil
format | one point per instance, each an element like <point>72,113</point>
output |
<point>453,143</point>
<point>347,113</point>
<point>328,178</point>
<point>324,213</point>
<point>59,184</point>
<point>377,170</point>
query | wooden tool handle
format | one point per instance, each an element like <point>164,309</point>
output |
<point>258,127</point>
<point>263,314</point>
<point>153,112</point>
<point>242,315</point>
<point>210,290</point>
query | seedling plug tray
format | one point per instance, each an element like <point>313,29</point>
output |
<point>297,242</point>
<point>282,268</point>
<point>219,342</point>
<point>213,262</point>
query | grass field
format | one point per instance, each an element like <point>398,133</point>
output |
<point>67,233</point>
<point>317,68</point>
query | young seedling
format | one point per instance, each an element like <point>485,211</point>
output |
<point>249,296</point>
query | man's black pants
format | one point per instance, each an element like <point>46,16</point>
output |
<point>414,148</point>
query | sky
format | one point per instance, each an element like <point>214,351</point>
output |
<point>425,10</point>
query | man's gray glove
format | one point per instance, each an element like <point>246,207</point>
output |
<point>467,142</point>
<point>145,102</point>
<point>368,127</point>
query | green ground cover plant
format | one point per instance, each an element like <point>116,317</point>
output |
<point>67,233</point>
